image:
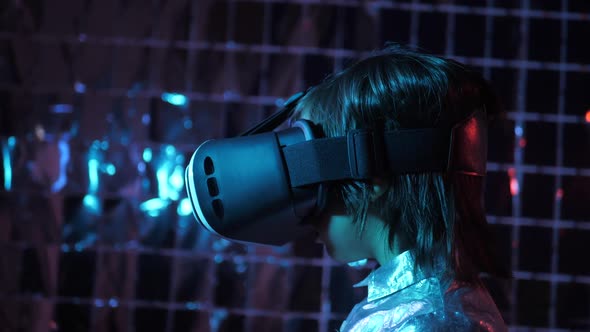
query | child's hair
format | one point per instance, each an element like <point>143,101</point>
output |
<point>397,88</point>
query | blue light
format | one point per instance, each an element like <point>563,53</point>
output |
<point>61,109</point>
<point>184,207</point>
<point>91,203</point>
<point>79,87</point>
<point>175,99</point>
<point>173,195</point>
<point>146,119</point>
<point>111,170</point>
<point>11,141</point>
<point>518,131</point>
<point>153,206</point>
<point>177,178</point>
<point>162,178</point>
<point>113,303</point>
<point>241,268</point>
<point>170,150</point>
<point>98,303</point>
<point>147,155</point>
<point>188,123</point>
<point>221,244</point>
<point>216,318</point>
<point>93,166</point>
<point>191,306</point>
<point>64,158</point>
<point>7,167</point>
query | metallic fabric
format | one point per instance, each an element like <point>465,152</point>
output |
<point>402,299</point>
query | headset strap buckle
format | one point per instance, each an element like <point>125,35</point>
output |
<point>366,155</point>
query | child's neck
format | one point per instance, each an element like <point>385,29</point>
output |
<point>381,249</point>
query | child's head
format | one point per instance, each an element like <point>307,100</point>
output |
<point>435,214</point>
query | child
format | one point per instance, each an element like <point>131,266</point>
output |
<point>386,160</point>
<point>426,230</point>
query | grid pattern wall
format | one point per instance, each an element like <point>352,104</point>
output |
<point>102,102</point>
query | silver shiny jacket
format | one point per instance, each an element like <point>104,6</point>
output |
<point>401,300</point>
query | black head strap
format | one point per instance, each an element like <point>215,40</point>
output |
<point>364,154</point>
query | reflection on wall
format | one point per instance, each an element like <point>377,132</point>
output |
<point>103,102</point>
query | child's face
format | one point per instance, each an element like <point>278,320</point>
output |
<point>340,236</point>
<point>343,242</point>
<point>341,239</point>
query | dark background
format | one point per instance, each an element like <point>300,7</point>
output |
<point>93,234</point>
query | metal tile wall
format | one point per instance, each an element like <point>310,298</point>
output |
<point>102,102</point>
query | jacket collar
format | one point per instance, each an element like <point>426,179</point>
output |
<point>391,277</point>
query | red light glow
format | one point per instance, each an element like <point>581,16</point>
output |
<point>559,194</point>
<point>588,116</point>
<point>511,172</point>
<point>514,187</point>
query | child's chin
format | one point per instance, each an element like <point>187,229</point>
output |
<point>340,258</point>
<point>345,259</point>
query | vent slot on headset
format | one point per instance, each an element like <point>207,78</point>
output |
<point>208,166</point>
<point>212,187</point>
<point>218,208</point>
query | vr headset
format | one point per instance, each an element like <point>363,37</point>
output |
<point>261,186</point>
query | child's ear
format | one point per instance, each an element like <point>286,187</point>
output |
<point>380,186</point>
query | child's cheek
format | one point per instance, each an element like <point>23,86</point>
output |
<point>341,239</point>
